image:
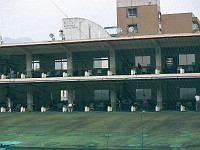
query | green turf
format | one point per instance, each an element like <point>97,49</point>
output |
<point>113,130</point>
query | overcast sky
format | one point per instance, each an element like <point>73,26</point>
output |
<point>37,18</point>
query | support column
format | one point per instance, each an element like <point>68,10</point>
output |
<point>29,65</point>
<point>29,98</point>
<point>70,94</point>
<point>69,63</point>
<point>159,95</point>
<point>112,61</point>
<point>158,59</point>
<point>113,96</point>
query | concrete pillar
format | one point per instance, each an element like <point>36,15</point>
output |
<point>29,65</point>
<point>159,94</point>
<point>113,96</point>
<point>112,61</point>
<point>158,59</point>
<point>70,94</point>
<point>69,63</point>
<point>29,98</point>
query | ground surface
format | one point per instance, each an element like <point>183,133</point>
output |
<point>102,130</point>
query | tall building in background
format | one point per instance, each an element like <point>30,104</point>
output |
<point>179,23</point>
<point>143,17</point>
<point>139,17</point>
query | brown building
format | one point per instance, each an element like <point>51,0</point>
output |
<point>179,23</point>
<point>144,18</point>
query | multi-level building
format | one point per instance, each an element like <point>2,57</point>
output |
<point>144,17</point>
<point>99,72</point>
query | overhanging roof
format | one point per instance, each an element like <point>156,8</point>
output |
<point>122,43</point>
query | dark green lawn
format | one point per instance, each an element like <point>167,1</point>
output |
<point>103,130</point>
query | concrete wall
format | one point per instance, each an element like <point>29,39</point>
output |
<point>79,28</point>
<point>146,20</point>
<point>127,3</point>
<point>176,23</point>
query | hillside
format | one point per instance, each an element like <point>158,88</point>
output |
<point>102,130</point>
<point>8,40</point>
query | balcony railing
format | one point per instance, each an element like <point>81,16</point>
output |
<point>102,72</point>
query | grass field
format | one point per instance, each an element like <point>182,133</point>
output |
<point>102,130</point>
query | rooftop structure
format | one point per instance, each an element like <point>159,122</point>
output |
<point>80,28</point>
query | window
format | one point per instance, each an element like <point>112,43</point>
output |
<point>64,95</point>
<point>143,60</point>
<point>100,63</point>
<point>36,65</point>
<point>132,12</point>
<point>187,59</point>
<point>101,94</point>
<point>132,28</point>
<point>187,93</point>
<point>140,92</point>
<point>61,64</point>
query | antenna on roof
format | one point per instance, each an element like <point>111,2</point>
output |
<point>51,35</point>
<point>131,29</point>
<point>195,27</point>
<point>119,30</point>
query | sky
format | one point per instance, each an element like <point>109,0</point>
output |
<point>37,18</point>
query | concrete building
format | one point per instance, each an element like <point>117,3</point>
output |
<point>179,23</point>
<point>80,28</point>
<point>141,15</point>
<point>99,72</point>
<point>144,18</point>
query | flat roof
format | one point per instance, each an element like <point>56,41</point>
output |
<point>119,43</point>
<point>104,39</point>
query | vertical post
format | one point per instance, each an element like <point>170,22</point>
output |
<point>69,63</point>
<point>29,65</point>
<point>80,30</point>
<point>159,95</point>
<point>29,98</point>
<point>70,94</point>
<point>89,28</point>
<point>142,132</point>
<point>158,59</point>
<point>112,61</point>
<point>113,96</point>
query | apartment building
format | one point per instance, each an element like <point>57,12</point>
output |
<point>179,23</point>
<point>144,18</point>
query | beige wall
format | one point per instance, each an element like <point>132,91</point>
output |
<point>176,23</point>
<point>126,3</point>
<point>146,19</point>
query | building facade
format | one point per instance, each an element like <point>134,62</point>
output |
<point>101,72</point>
<point>97,73</point>
<point>80,28</point>
<point>138,17</point>
<point>144,18</point>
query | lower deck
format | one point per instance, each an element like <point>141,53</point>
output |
<point>121,92</point>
